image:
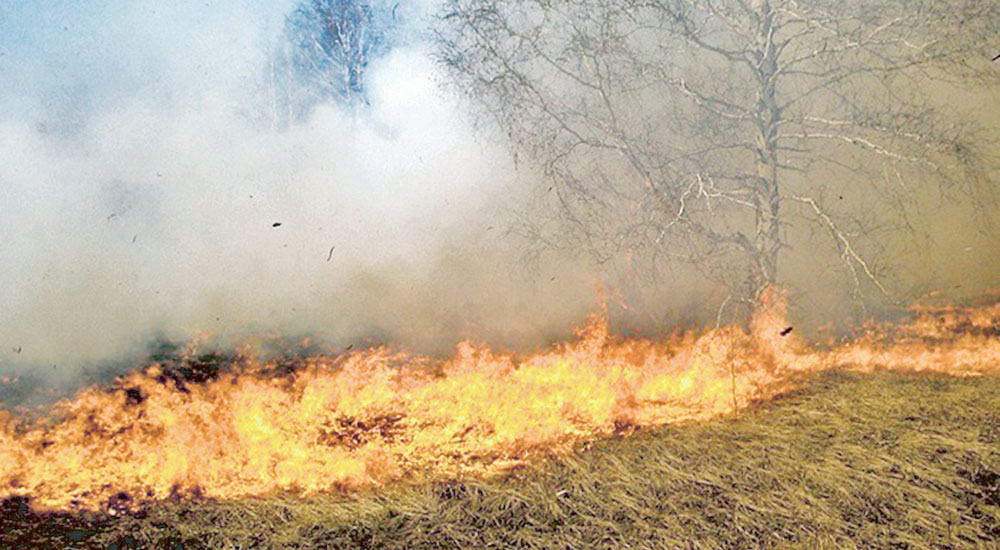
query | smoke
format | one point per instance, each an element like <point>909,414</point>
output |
<point>138,199</point>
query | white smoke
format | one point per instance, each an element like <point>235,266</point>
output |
<point>137,197</point>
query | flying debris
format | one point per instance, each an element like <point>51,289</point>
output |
<point>786,331</point>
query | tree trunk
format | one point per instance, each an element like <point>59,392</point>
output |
<point>767,240</point>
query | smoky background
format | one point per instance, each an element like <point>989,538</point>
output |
<point>142,201</point>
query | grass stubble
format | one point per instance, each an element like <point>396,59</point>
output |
<point>882,460</point>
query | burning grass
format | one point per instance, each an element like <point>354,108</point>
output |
<point>179,435</point>
<point>849,460</point>
<point>373,417</point>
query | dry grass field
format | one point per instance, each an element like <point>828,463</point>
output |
<point>848,461</point>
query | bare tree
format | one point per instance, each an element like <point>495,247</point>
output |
<point>323,56</point>
<point>706,130</point>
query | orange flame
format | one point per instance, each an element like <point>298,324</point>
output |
<point>372,417</point>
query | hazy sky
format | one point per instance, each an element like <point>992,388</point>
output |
<point>137,197</point>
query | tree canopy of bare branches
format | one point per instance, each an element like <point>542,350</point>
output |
<point>323,56</point>
<point>704,131</point>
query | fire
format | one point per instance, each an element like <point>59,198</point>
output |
<point>372,417</point>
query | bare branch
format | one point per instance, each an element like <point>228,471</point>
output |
<point>849,254</point>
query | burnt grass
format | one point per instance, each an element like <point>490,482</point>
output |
<point>849,461</point>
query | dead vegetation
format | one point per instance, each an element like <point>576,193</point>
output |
<point>852,461</point>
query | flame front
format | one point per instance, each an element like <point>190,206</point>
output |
<point>373,417</point>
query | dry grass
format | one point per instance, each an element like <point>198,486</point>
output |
<point>880,461</point>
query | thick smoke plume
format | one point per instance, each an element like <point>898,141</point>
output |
<point>141,198</point>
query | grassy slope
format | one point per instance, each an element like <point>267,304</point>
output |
<point>883,461</point>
